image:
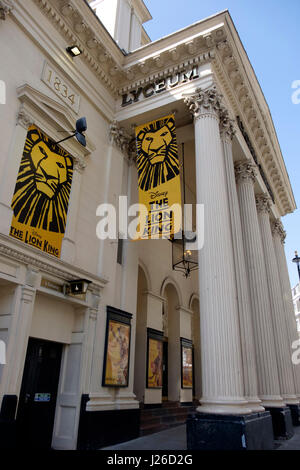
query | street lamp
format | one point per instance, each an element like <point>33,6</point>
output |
<point>297,261</point>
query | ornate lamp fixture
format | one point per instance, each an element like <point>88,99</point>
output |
<point>184,259</point>
<point>297,261</point>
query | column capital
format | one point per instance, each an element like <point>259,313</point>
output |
<point>277,229</point>
<point>6,7</point>
<point>263,203</point>
<point>227,130</point>
<point>23,118</point>
<point>245,171</point>
<point>27,295</point>
<point>204,102</point>
<point>119,137</point>
<point>78,164</point>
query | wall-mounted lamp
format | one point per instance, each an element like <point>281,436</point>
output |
<point>77,287</point>
<point>74,51</point>
<point>81,126</point>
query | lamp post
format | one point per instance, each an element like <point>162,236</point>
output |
<point>297,261</point>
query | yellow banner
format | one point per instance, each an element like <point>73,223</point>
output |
<point>41,197</point>
<point>158,179</point>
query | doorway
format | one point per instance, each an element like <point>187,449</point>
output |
<point>37,403</point>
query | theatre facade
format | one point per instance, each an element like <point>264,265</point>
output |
<point>105,339</point>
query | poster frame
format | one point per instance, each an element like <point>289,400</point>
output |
<point>186,343</point>
<point>116,315</point>
<point>158,336</point>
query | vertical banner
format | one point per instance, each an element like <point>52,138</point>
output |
<point>158,179</point>
<point>41,197</point>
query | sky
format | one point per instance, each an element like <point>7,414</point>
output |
<point>269,31</point>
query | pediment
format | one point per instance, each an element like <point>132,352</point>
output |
<point>56,113</point>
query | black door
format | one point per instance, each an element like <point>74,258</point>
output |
<point>165,371</point>
<point>35,416</point>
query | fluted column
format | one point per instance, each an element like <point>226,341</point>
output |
<point>222,375</point>
<point>268,381</point>
<point>244,304</point>
<point>284,363</point>
<point>278,240</point>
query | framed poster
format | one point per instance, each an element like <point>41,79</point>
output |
<point>186,363</point>
<point>41,197</point>
<point>117,348</point>
<point>154,358</point>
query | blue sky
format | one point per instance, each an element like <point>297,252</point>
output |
<point>269,30</point>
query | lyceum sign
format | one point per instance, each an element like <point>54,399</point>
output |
<point>159,85</point>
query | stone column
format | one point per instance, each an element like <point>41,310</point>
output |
<point>222,374</point>
<point>244,303</point>
<point>289,315</point>
<point>268,381</point>
<point>284,363</point>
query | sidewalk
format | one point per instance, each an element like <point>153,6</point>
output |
<point>170,439</point>
<point>175,439</point>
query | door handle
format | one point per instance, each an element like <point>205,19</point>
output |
<point>27,397</point>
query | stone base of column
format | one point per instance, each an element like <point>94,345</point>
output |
<point>282,422</point>
<point>295,412</point>
<point>230,432</point>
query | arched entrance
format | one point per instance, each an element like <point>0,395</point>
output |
<point>172,359</point>
<point>141,337</point>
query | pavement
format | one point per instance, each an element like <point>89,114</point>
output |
<point>170,439</point>
<point>175,439</point>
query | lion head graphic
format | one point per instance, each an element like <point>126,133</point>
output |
<point>157,159</point>
<point>43,185</point>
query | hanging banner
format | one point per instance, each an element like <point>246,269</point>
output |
<point>41,197</point>
<point>158,179</point>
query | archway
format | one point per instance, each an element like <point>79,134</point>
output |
<point>141,337</point>
<point>172,336</point>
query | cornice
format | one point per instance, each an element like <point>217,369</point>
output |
<point>141,9</point>
<point>247,104</point>
<point>76,22</point>
<point>163,58</point>
<point>17,251</point>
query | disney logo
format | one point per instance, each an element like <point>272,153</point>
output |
<point>157,194</point>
